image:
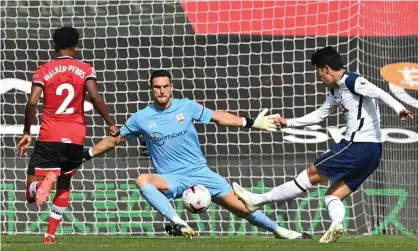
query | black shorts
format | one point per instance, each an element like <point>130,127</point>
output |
<point>60,158</point>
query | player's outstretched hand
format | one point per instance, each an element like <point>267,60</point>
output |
<point>405,114</point>
<point>264,122</point>
<point>280,122</point>
<point>114,131</point>
<point>23,145</point>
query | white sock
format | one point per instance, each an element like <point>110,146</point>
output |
<point>178,220</point>
<point>32,189</point>
<point>287,191</point>
<point>336,209</point>
<point>57,212</point>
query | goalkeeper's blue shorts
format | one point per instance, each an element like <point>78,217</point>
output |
<point>177,183</point>
<point>352,162</point>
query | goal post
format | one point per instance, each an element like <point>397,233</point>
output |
<point>236,56</point>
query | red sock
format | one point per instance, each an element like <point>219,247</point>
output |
<point>60,204</point>
<point>52,226</point>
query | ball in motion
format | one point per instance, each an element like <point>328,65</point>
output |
<point>196,199</point>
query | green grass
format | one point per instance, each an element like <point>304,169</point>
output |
<point>76,243</point>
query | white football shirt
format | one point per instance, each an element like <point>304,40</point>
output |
<point>357,99</point>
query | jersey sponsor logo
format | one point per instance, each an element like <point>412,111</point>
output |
<point>180,117</point>
<point>159,139</point>
<point>402,77</point>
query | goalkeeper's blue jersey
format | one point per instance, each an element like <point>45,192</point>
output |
<point>171,137</point>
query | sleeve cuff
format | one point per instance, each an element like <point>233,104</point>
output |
<point>38,84</point>
<point>90,78</point>
<point>399,108</point>
<point>290,123</point>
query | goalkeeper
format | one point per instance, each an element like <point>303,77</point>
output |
<point>173,143</point>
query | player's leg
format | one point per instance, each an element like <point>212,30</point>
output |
<point>286,191</point>
<point>42,173</point>
<point>60,203</point>
<point>366,160</point>
<point>324,168</point>
<point>223,195</point>
<point>334,197</point>
<point>231,202</point>
<point>69,157</point>
<point>152,187</point>
<point>32,185</point>
<point>159,190</point>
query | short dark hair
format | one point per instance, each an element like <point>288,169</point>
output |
<point>327,56</point>
<point>158,74</point>
<point>65,37</point>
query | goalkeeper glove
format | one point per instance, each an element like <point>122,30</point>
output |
<point>262,121</point>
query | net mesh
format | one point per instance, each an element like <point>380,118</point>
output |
<point>237,56</point>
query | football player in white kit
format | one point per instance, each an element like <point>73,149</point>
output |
<point>348,163</point>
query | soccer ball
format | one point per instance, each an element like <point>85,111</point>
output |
<point>196,199</point>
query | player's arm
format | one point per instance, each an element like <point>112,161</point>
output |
<point>130,130</point>
<point>30,112</point>
<point>98,103</point>
<point>312,118</point>
<point>104,146</point>
<point>206,115</point>
<point>261,122</point>
<point>363,87</point>
<point>30,109</point>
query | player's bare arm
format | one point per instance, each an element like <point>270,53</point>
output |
<point>30,113</point>
<point>104,146</point>
<point>100,106</point>
<point>227,119</point>
<point>262,121</point>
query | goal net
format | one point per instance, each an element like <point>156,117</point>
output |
<point>236,56</point>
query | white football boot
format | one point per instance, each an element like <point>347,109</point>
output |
<point>245,196</point>
<point>333,233</point>
<point>283,233</point>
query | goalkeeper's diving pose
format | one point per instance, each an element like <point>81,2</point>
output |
<point>173,143</point>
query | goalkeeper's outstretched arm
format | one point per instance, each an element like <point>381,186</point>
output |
<point>262,121</point>
<point>130,129</point>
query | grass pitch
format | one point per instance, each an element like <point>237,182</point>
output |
<point>101,243</point>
